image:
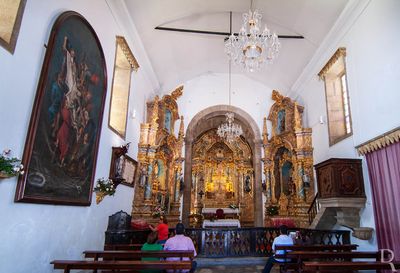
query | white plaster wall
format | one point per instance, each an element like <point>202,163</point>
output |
<point>373,73</point>
<point>32,235</point>
<point>213,89</point>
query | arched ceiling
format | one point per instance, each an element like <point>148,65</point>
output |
<point>177,57</point>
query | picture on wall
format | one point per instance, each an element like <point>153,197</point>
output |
<point>11,12</point>
<point>123,168</point>
<point>63,136</point>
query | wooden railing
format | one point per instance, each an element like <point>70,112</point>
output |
<point>313,209</point>
<point>233,242</point>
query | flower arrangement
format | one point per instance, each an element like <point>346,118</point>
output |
<point>10,166</point>
<point>158,211</point>
<point>105,186</point>
<point>272,210</point>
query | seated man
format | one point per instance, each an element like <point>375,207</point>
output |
<point>282,240</point>
<point>180,242</point>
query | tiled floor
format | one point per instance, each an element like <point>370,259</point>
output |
<point>233,265</point>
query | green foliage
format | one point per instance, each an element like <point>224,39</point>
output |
<point>10,166</point>
<point>105,186</point>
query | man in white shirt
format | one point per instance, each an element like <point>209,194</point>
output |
<point>282,240</point>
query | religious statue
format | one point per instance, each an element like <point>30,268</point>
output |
<point>247,184</point>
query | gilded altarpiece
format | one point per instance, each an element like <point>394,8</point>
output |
<point>222,175</point>
<point>288,162</point>
<point>160,161</point>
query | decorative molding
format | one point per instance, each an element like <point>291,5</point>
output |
<point>343,24</point>
<point>379,142</point>
<point>340,53</point>
<point>127,52</point>
<point>177,93</point>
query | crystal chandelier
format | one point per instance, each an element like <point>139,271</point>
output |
<point>229,130</point>
<point>252,48</point>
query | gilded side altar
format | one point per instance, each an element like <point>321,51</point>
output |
<point>288,161</point>
<point>160,161</point>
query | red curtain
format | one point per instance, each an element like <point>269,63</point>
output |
<point>384,174</point>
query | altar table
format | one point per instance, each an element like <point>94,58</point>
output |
<point>221,223</point>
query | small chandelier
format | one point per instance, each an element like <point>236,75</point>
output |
<point>229,130</point>
<point>252,48</point>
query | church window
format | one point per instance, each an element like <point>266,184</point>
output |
<point>125,62</point>
<point>337,97</point>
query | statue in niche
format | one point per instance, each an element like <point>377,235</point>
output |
<point>147,187</point>
<point>219,154</point>
<point>247,183</point>
<point>181,183</point>
<point>156,169</point>
<point>280,125</point>
<point>167,121</point>
<point>286,176</point>
<point>143,177</point>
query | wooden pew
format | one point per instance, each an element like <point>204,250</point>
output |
<point>68,265</point>
<point>123,247</point>
<point>298,257</point>
<point>137,255</point>
<point>344,265</point>
<point>315,248</point>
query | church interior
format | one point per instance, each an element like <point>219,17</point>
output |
<point>192,111</point>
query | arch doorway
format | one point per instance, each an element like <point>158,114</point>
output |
<point>219,173</point>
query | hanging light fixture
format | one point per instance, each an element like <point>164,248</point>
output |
<point>229,130</point>
<point>252,48</point>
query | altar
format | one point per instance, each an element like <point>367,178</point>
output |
<point>221,223</point>
<point>226,213</point>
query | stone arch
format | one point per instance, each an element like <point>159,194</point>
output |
<point>212,117</point>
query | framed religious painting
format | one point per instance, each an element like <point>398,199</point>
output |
<point>11,12</point>
<point>123,168</point>
<point>129,171</point>
<point>64,131</point>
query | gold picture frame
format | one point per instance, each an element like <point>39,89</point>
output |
<point>11,12</point>
<point>124,63</point>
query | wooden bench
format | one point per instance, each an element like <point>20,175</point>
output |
<point>317,247</point>
<point>298,257</point>
<point>340,266</point>
<point>68,265</point>
<point>123,247</point>
<point>137,255</point>
<point>289,265</point>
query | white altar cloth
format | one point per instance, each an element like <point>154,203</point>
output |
<point>213,210</point>
<point>221,223</point>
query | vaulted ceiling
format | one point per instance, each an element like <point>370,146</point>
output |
<point>177,57</point>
